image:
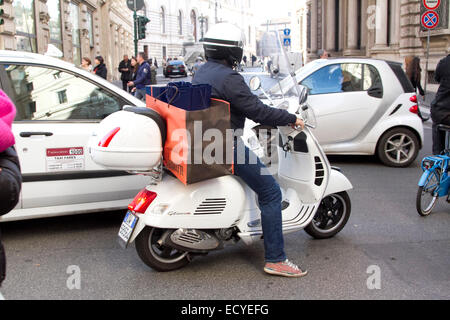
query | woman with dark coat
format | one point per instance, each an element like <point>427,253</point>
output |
<point>440,107</point>
<point>100,68</point>
<point>414,73</point>
<point>10,176</point>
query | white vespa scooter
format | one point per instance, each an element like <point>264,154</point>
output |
<point>171,223</point>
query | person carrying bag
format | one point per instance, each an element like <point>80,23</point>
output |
<point>10,176</point>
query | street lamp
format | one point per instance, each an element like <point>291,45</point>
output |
<point>202,19</point>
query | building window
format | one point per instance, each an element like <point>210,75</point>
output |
<point>62,96</point>
<point>25,25</point>
<point>90,25</point>
<point>76,41</point>
<point>180,23</point>
<point>163,20</point>
<point>54,11</point>
<point>194,24</point>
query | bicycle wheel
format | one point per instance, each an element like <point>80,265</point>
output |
<point>427,195</point>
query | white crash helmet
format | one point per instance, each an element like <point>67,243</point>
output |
<point>224,41</point>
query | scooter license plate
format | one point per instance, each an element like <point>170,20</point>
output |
<point>127,228</point>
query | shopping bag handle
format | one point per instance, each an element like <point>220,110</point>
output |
<point>174,96</point>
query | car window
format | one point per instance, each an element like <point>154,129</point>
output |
<point>325,80</point>
<point>372,78</point>
<point>345,77</point>
<point>42,93</point>
<point>352,77</point>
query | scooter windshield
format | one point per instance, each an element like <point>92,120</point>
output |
<point>278,65</point>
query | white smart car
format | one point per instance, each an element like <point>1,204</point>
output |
<point>362,107</point>
<point>58,108</point>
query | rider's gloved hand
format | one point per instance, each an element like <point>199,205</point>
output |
<point>299,124</point>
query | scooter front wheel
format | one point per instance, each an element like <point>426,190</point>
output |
<point>331,217</point>
<point>157,256</point>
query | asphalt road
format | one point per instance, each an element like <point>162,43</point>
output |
<point>412,253</point>
<point>384,233</point>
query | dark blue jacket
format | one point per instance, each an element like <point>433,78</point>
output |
<point>440,107</point>
<point>230,86</point>
<point>143,76</point>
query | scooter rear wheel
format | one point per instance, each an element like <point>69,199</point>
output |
<point>159,257</point>
<point>331,217</point>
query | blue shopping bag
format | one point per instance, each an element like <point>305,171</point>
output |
<point>183,95</point>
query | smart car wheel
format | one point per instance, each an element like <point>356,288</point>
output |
<point>398,148</point>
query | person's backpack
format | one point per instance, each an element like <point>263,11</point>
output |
<point>10,186</point>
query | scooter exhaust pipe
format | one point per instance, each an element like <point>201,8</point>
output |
<point>194,241</point>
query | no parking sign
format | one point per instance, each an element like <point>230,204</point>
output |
<point>430,20</point>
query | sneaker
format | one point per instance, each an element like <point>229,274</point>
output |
<point>284,269</point>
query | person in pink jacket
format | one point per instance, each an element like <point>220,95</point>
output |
<point>10,176</point>
<point>7,115</point>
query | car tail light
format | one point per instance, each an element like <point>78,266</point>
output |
<point>104,143</point>
<point>413,99</point>
<point>142,201</point>
<point>414,109</point>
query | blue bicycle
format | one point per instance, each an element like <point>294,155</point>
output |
<point>435,181</point>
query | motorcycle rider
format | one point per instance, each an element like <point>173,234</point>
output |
<point>223,46</point>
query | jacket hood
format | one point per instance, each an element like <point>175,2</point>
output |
<point>7,115</point>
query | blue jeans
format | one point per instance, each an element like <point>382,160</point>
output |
<point>140,94</point>
<point>248,167</point>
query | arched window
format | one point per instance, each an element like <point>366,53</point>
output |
<point>194,24</point>
<point>163,20</point>
<point>180,22</point>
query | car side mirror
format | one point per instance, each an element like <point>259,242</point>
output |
<point>255,83</point>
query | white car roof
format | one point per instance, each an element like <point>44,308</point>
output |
<point>8,56</point>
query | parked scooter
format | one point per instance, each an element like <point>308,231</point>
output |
<point>171,223</point>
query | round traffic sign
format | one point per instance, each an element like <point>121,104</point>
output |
<point>430,20</point>
<point>431,4</point>
<point>139,4</point>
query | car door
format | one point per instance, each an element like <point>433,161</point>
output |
<point>345,97</point>
<point>57,111</point>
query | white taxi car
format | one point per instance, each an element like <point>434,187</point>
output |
<point>58,108</point>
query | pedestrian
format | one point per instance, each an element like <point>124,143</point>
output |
<point>10,176</point>
<point>156,63</point>
<point>153,72</point>
<point>125,70</point>
<point>323,54</point>
<point>134,69</point>
<point>253,60</point>
<point>440,107</point>
<point>414,73</point>
<point>245,60</point>
<point>86,64</point>
<point>143,76</point>
<point>100,68</point>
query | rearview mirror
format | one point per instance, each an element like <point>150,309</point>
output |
<point>303,94</point>
<point>255,83</point>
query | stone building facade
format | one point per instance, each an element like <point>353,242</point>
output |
<point>78,28</point>
<point>177,24</point>
<point>385,29</point>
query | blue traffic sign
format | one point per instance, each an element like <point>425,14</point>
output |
<point>287,42</point>
<point>430,19</point>
<point>287,32</point>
